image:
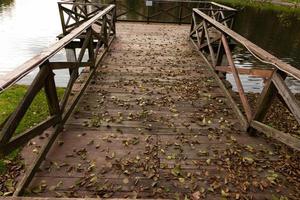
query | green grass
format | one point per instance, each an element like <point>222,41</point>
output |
<point>37,112</point>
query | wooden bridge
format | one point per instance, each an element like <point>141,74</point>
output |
<point>148,115</point>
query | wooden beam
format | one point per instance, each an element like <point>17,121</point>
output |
<point>265,100</point>
<point>285,138</point>
<point>56,198</point>
<point>262,73</point>
<point>287,96</point>
<point>74,74</point>
<point>225,8</point>
<point>68,65</point>
<point>211,50</point>
<point>25,137</point>
<point>237,79</point>
<point>29,174</point>
<point>51,95</point>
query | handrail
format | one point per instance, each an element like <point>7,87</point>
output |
<point>263,54</point>
<point>93,34</point>
<point>211,36</point>
<point>177,11</point>
<point>49,52</point>
<point>223,6</point>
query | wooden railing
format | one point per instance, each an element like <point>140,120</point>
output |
<point>93,35</point>
<point>73,14</point>
<point>168,11</point>
<point>211,36</point>
<point>163,11</point>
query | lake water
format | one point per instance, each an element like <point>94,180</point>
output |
<point>29,26</point>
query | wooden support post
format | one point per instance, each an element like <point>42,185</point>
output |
<point>62,18</point>
<point>180,12</point>
<point>74,74</point>
<point>91,51</point>
<point>104,31</point>
<point>211,50</point>
<point>238,82</point>
<point>71,57</point>
<point>148,15</point>
<point>265,100</point>
<point>51,94</point>
<point>286,94</point>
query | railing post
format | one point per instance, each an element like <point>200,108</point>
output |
<point>148,17</point>
<point>51,93</point>
<point>265,100</point>
<point>237,79</point>
<point>104,29</point>
<point>91,50</point>
<point>71,57</point>
<point>180,12</point>
<point>62,18</point>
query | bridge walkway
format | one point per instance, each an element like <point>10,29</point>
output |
<point>154,123</point>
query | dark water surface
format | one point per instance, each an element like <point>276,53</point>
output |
<point>275,31</point>
<point>29,26</point>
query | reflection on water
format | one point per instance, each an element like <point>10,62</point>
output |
<point>274,31</point>
<point>27,27</point>
<point>277,32</point>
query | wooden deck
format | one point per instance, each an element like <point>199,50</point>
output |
<point>154,123</point>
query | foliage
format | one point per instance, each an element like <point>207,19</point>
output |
<point>264,4</point>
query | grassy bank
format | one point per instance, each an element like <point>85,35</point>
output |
<point>11,166</point>
<point>266,4</point>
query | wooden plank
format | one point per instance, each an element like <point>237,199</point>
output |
<point>223,7</point>
<point>29,174</point>
<point>54,198</point>
<point>258,72</point>
<point>51,95</point>
<point>77,98</point>
<point>237,79</point>
<point>25,137</point>
<point>287,95</point>
<point>68,65</point>
<point>174,137</point>
<point>285,138</point>
<point>265,100</point>
<point>211,50</point>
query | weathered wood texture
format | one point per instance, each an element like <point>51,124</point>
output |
<point>99,29</point>
<point>53,198</point>
<point>154,123</point>
<point>165,11</point>
<point>215,32</point>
